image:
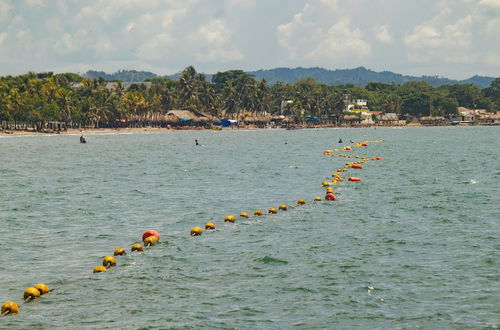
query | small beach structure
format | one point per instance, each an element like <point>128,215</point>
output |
<point>187,117</point>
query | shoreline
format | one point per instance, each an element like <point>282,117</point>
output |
<point>127,130</point>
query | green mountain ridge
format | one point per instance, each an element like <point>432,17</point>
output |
<point>359,76</point>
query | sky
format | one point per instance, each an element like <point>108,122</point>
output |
<point>451,38</point>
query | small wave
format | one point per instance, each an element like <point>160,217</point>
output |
<point>137,191</point>
<point>472,181</point>
<point>269,260</point>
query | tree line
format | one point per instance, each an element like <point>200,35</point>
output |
<point>78,101</point>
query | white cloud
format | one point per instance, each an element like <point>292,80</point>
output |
<point>436,39</point>
<point>306,37</point>
<point>5,7</point>
<point>383,34</point>
<point>35,2</point>
<point>339,41</point>
<point>332,4</point>
<point>156,47</point>
<point>490,7</point>
<point>242,3</point>
<point>3,36</point>
<point>66,44</point>
<point>214,41</point>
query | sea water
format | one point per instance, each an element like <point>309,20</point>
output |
<point>414,244</point>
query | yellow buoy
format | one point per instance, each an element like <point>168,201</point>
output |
<point>9,307</point>
<point>272,210</point>
<point>258,212</point>
<point>99,269</point>
<point>301,201</point>
<point>329,190</point>
<point>43,288</point>
<point>31,293</point>
<point>119,252</point>
<point>108,261</point>
<point>209,225</point>
<point>230,218</point>
<point>317,199</point>
<point>325,183</point>
<point>137,247</point>
<point>244,215</point>
<point>196,231</point>
<point>283,207</point>
<point>150,240</point>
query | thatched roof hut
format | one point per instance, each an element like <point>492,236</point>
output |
<point>175,116</point>
<point>257,119</point>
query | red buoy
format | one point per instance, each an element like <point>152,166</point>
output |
<point>364,144</point>
<point>148,233</point>
<point>330,197</point>
<point>379,158</point>
<point>356,166</point>
<point>351,178</point>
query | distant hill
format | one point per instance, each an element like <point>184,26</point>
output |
<point>359,76</point>
<point>122,75</point>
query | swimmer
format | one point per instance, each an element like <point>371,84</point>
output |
<point>340,140</point>
<point>196,142</point>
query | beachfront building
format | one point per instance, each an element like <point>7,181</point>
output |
<point>357,104</point>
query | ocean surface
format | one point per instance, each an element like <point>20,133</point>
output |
<point>414,245</point>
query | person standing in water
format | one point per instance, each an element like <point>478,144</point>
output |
<point>82,139</point>
<point>340,140</point>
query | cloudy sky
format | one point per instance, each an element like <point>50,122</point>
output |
<point>452,38</point>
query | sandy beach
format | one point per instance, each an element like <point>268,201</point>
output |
<point>88,131</point>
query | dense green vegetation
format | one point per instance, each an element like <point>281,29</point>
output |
<point>68,97</point>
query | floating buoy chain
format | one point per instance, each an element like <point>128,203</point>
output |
<point>151,237</point>
<point>336,178</point>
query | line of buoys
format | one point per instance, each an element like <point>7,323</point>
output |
<point>329,194</point>
<point>29,294</point>
<point>151,237</point>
